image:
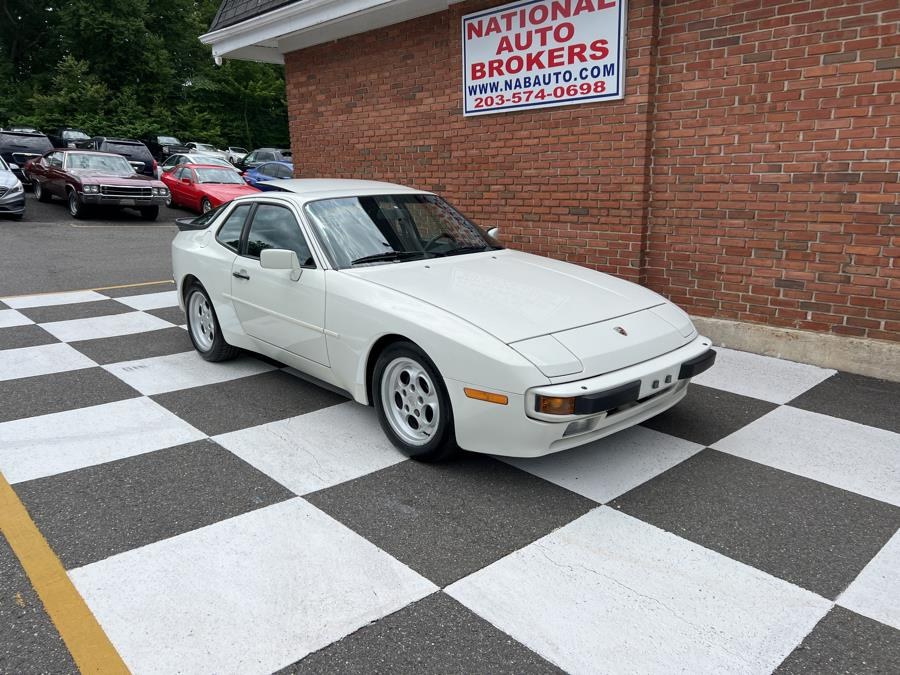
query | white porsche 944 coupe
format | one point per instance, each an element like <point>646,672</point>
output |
<point>391,295</point>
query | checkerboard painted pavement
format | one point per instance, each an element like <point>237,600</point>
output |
<point>233,518</point>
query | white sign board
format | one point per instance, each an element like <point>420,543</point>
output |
<point>543,53</point>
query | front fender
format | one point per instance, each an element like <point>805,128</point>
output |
<point>359,313</point>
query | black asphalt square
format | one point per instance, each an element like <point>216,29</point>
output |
<point>45,394</point>
<point>434,635</point>
<point>811,534</point>
<point>78,310</point>
<point>17,337</point>
<point>866,400</point>
<point>160,342</point>
<point>247,401</point>
<point>449,520</point>
<point>98,511</point>
<point>173,315</point>
<point>707,415</point>
<point>847,643</point>
<point>141,289</point>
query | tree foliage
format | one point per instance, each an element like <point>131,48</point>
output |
<point>133,67</point>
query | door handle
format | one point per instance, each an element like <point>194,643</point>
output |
<point>241,275</point>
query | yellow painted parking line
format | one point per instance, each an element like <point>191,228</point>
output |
<point>87,643</point>
<point>101,288</point>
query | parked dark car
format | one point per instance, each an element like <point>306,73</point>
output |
<point>17,147</point>
<point>86,178</point>
<point>12,194</point>
<point>134,151</point>
<point>66,137</point>
<point>162,147</point>
<point>263,155</point>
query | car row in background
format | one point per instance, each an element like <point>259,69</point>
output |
<point>263,155</point>
<point>12,193</point>
<point>203,187</point>
<point>86,179</point>
<point>162,147</point>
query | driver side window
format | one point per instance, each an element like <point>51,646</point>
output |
<point>275,227</point>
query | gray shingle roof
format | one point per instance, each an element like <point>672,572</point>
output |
<point>234,11</point>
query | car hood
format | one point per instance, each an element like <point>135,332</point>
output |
<point>512,295</point>
<point>8,179</point>
<point>226,191</point>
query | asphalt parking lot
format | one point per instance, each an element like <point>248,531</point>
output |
<point>218,518</point>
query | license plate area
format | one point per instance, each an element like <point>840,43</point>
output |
<point>655,383</point>
<point>126,202</point>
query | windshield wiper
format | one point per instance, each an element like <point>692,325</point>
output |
<point>468,249</point>
<point>388,255</point>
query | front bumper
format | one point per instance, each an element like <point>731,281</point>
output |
<point>12,205</point>
<point>609,403</point>
<point>137,202</point>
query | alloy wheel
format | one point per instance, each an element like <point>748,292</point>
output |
<point>410,401</point>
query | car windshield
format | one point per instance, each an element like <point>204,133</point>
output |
<point>234,149</point>
<point>209,159</point>
<point>3,165</point>
<point>205,147</point>
<point>27,142</point>
<point>72,135</point>
<point>218,176</point>
<point>129,150</point>
<point>168,140</point>
<point>113,164</point>
<point>393,228</point>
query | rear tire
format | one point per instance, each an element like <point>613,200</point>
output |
<point>412,404</point>
<point>149,212</point>
<point>40,193</point>
<point>203,326</point>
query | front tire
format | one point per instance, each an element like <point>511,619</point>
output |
<point>203,326</point>
<point>149,212</point>
<point>205,206</point>
<point>76,207</point>
<point>40,193</point>
<point>412,404</point>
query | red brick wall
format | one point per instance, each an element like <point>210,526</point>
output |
<point>775,163</point>
<point>750,173</point>
<point>567,182</point>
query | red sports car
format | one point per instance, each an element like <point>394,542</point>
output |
<point>201,187</point>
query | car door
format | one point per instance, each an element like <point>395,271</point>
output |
<point>269,304</point>
<point>55,180</point>
<point>176,187</point>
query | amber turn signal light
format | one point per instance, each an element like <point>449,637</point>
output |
<point>555,405</point>
<point>479,395</point>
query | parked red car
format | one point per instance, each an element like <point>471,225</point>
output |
<point>89,178</point>
<point>203,187</point>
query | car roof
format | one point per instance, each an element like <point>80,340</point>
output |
<point>201,165</point>
<point>305,190</point>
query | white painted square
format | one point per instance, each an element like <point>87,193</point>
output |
<point>49,444</point>
<point>41,360</point>
<point>50,299</point>
<point>762,377</point>
<point>316,450</point>
<point>250,594</point>
<point>97,327</point>
<point>875,593</point>
<point>611,466</point>
<point>10,318</point>
<point>845,454</point>
<point>160,374</point>
<point>150,300</point>
<point>609,593</point>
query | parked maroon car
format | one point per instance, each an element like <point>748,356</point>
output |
<point>87,178</point>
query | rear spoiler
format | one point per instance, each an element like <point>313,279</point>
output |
<point>187,224</point>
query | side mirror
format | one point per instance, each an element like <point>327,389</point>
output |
<point>13,167</point>
<point>494,232</point>
<point>281,259</point>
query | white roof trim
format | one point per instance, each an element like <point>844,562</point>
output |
<point>303,24</point>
